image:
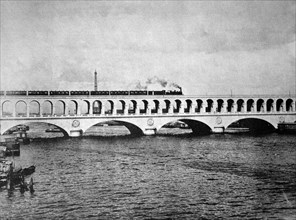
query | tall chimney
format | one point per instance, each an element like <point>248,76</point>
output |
<point>96,83</point>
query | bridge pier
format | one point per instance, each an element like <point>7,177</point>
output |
<point>218,130</point>
<point>75,133</point>
<point>137,111</point>
<point>149,131</point>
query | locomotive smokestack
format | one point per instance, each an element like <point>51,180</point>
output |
<point>96,83</point>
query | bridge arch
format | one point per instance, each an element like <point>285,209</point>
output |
<point>16,123</point>
<point>289,105</point>
<point>7,108</point>
<point>230,105</point>
<point>109,107</point>
<point>97,107</point>
<point>121,107</point>
<point>269,105</point>
<point>255,124</point>
<point>279,105</point>
<point>199,106</point>
<point>21,108</point>
<point>250,105</point>
<point>34,108</point>
<point>260,105</point>
<point>72,108</point>
<point>188,106</point>
<point>220,105</point>
<point>133,128</point>
<point>59,107</point>
<point>85,107</point>
<point>177,106</point>
<point>155,106</point>
<point>209,106</point>
<point>132,106</point>
<point>143,106</point>
<point>63,131</point>
<point>240,105</point>
<point>197,127</point>
<point>47,108</point>
<point>167,106</point>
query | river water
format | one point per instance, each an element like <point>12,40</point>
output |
<point>157,177</point>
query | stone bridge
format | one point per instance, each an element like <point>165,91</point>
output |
<point>146,114</point>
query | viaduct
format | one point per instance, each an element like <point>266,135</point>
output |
<point>146,114</point>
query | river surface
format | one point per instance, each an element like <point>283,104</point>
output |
<point>157,177</point>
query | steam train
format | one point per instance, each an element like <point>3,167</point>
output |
<point>91,93</point>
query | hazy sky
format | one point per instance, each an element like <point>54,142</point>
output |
<point>207,47</point>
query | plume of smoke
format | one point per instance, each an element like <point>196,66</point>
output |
<point>139,86</point>
<point>175,85</point>
<point>155,79</point>
<point>155,83</point>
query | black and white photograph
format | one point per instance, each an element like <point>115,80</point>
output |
<point>148,109</point>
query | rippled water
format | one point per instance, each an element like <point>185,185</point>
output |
<point>160,177</point>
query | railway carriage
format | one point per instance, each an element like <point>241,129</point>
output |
<point>37,92</point>
<point>59,93</point>
<point>79,92</point>
<point>99,93</point>
<point>13,93</point>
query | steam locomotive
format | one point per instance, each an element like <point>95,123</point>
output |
<point>91,93</point>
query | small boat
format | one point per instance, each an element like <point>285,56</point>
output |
<point>233,130</point>
<point>53,130</point>
<point>2,151</point>
<point>5,170</point>
<point>28,171</point>
<point>10,176</point>
<point>18,128</point>
<point>184,126</point>
<point>23,128</point>
<point>22,137</point>
<point>11,147</point>
<point>285,127</point>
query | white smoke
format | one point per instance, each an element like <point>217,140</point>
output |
<point>155,83</point>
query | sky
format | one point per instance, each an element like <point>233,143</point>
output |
<point>206,47</point>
